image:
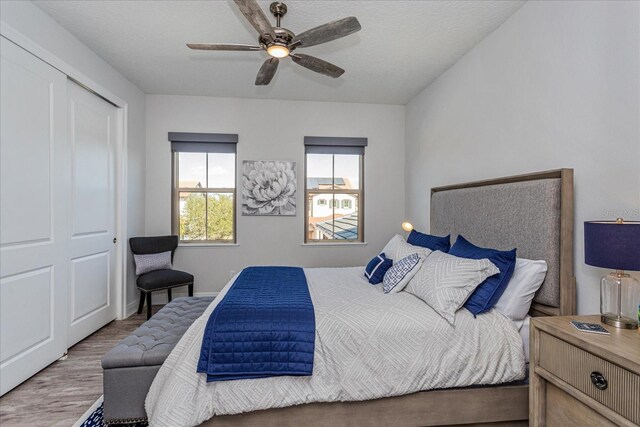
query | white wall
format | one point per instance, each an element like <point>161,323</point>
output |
<point>557,85</point>
<point>274,130</point>
<point>32,22</point>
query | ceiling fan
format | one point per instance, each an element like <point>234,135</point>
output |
<point>280,42</point>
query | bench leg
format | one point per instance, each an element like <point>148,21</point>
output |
<point>169,294</point>
<point>190,290</point>
<point>141,302</point>
<point>148,305</point>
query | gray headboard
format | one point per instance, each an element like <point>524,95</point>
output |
<point>533,213</point>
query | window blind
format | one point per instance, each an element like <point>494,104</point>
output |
<point>189,142</point>
<point>334,145</point>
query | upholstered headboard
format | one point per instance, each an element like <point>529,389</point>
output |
<point>533,213</point>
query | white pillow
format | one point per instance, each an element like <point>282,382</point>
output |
<point>527,278</point>
<point>398,248</point>
<point>401,272</point>
<point>446,281</point>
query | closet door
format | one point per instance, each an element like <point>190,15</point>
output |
<point>34,183</point>
<point>92,137</point>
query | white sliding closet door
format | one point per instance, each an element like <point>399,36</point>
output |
<point>34,231</point>
<point>92,136</point>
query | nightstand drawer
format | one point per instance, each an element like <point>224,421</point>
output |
<point>613,386</point>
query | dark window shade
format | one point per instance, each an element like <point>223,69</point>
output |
<point>334,145</point>
<point>325,149</point>
<point>187,142</point>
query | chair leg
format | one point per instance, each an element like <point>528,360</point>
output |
<point>141,305</point>
<point>148,305</point>
<point>191,290</point>
<point>169,294</point>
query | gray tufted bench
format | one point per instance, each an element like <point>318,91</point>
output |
<point>130,367</point>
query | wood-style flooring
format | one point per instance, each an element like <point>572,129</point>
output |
<point>59,394</point>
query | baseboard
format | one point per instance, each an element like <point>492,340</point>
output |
<point>132,308</point>
<point>160,298</point>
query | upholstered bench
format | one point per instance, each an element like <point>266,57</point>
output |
<point>130,367</point>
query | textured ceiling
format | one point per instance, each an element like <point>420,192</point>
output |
<point>402,47</point>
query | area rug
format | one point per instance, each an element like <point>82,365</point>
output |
<point>93,417</point>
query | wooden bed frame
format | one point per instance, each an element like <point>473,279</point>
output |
<point>501,405</point>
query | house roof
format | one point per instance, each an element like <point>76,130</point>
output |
<point>344,228</point>
<point>190,184</point>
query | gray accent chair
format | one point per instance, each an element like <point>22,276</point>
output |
<point>159,279</point>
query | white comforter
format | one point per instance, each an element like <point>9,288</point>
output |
<point>368,345</point>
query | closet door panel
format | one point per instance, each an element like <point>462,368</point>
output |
<point>92,136</point>
<point>34,215</point>
<point>25,194</point>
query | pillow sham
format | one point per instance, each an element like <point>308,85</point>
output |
<point>402,272</point>
<point>527,278</point>
<point>152,262</point>
<point>445,281</point>
<point>485,297</point>
<point>397,249</point>
<point>435,243</point>
<point>377,267</point>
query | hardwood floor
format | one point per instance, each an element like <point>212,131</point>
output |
<point>59,394</point>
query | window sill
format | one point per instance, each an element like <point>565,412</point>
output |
<point>334,244</point>
<point>207,245</point>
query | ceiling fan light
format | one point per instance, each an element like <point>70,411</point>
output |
<point>278,51</point>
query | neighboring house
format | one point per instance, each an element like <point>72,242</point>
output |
<point>326,204</point>
<point>327,208</point>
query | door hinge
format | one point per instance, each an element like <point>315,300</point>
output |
<point>115,240</point>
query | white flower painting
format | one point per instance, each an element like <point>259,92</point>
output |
<point>268,187</point>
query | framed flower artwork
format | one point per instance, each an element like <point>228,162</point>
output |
<point>269,187</point>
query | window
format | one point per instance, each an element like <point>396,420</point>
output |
<point>204,187</point>
<point>334,172</point>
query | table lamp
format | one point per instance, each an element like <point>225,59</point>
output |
<point>407,226</point>
<point>615,245</point>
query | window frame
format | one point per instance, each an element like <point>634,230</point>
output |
<point>175,199</point>
<point>360,196</point>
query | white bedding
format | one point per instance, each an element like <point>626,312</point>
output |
<point>368,345</point>
<point>523,329</point>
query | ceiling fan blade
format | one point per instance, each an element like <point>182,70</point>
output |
<point>317,65</point>
<point>267,71</point>
<point>251,10</point>
<point>327,32</point>
<point>222,46</point>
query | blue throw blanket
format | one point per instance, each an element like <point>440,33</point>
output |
<point>264,327</point>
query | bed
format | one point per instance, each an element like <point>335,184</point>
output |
<point>532,212</point>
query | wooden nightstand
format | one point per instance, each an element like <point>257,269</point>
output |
<point>563,361</point>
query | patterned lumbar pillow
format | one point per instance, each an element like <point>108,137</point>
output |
<point>402,272</point>
<point>446,281</point>
<point>376,269</point>
<point>397,249</point>
<point>152,262</point>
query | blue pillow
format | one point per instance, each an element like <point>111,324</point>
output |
<point>376,269</point>
<point>435,243</point>
<point>488,292</point>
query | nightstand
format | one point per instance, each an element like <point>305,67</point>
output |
<point>580,378</point>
